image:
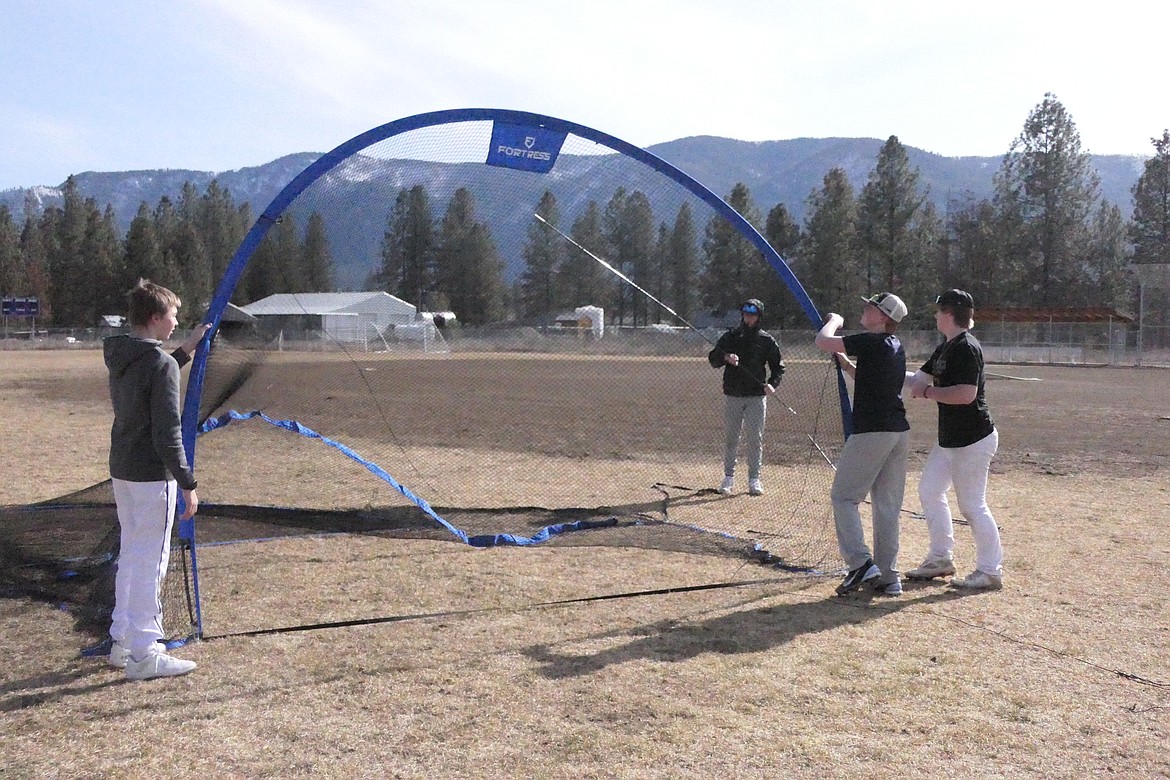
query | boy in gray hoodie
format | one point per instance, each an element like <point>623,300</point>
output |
<point>148,467</point>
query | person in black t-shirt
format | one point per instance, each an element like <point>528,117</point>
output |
<point>967,441</point>
<point>873,461</point>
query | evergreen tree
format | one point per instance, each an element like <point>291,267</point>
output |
<point>289,271</point>
<point>68,276</point>
<point>733,268</point>
<point>102,258</point>
<point>681,264</point>
<point>1047,185</point>
<point>1150,228</point>
<point>887,208</point>
<point>580,279</point>
<point>783,235</point>
<point>973,261</point>
<point>408,258</point>
<point>1109,283</point>
<point>469,268</point>
<point>143,253</point>
<point>221,228</point>
<point>638,255</point>
<point>12,276</point>
<point>612,226</point>
<point>832,275</point>
<point>34,260</point>
<point>543,254</point>
<point>318,262</point>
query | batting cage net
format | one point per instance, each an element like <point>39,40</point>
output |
<point>496,378</point>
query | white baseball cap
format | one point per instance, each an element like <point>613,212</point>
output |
<point>890,304</point>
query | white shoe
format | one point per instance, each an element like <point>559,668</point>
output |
<point>726,485</point>
<point>120,654</point>
<point>943,567</point>
<point>979,580</point>
<point>755,487</point>
<point>157,664</point>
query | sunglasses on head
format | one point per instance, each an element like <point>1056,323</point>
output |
<point>750,310</point>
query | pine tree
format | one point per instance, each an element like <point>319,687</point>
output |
<point>318,262</point>
<point>783,235</point>
<point>828,258</point>
<point>580,279</point>
<point>221,229</point>
<point>681,264</point>
<point>1047,185</point>
<point>67,274</point>
<point>408,248</point>
<point>613,226</point>
<point>102,258</point>
<point>543,253</point>
<point>1150,228</point>
<point>34,258</point>
<point>289,271</point>
<point>12,277</point>
<point>143,253</point>
<point>469,268</point>
<point>1107,260</point>
<point>637,253</point>
<point>887,209</point>
<point>732,261</point>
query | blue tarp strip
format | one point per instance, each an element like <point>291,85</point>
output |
<point>483,540</point>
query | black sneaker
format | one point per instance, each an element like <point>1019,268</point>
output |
<point>859,576</point>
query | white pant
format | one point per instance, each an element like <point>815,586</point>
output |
<point>146,512</point>
<point>966,469</point>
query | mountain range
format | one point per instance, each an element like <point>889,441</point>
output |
<point>775,172</point>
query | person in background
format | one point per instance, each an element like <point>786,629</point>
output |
<point>752,368</point>
<point>953,378</point>
<point>874,459</point>
<point>148,467</point>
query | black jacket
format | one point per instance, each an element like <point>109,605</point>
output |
<point>759,360</point>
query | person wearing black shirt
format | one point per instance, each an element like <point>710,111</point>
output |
<point>953,378</point>
<point>874,459</point>
<point>752,367</point>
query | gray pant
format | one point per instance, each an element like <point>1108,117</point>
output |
<point>873,464</point>
<point>746,413</point>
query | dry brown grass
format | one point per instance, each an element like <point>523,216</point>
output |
<point>772,679</point>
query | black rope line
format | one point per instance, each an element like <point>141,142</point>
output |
<point>488,610</point>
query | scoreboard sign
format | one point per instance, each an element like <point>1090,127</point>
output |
<point>20,307</point>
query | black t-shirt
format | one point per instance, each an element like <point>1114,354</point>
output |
<point>877,382</point>
<point>960,362</point>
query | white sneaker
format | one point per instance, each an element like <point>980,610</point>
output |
<point>157,664</point>
<point>979,580</point>
<point>755,487</point>
<point>726,485</point>
<point>120,654</point>
<point>943,567</point>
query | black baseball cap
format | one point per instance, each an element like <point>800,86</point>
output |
<point>958,298</point>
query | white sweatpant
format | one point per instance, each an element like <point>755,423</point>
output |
<point>966,469</point>
<point>146,513</point>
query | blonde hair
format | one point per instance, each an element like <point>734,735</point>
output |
<point>147,299</point>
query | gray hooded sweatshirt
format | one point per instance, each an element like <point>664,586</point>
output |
<point>146,442</point>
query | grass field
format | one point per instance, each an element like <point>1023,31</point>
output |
<point>1065,673</point>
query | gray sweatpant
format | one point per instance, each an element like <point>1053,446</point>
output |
<point>873,464</point>
<point>747,413</point>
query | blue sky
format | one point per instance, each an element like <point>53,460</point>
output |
<point>217,85</point>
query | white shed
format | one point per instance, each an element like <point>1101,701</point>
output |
<point>350,316</point>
